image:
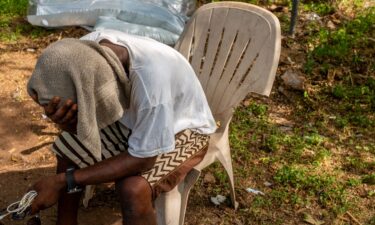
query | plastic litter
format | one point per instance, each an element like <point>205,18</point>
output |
<point>155,33</point>
<point>140,17</point>
<point>313,17</point>
<point>218,199</point>
<point>254,191</point>
<point>151,15</point>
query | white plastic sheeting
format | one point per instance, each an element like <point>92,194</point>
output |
<point>162,20</point>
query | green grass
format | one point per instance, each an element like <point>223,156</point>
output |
<point>325,189</point>
<point>321,8</point>
<point>298,185</point>
<point>357,104</point>
<point>344,57</point>
<point>328,155</point>
<point>343,44</point>
<point>13,7</point>
<point>13,25</point>
<point>369,179</point>
<point>301,154</point>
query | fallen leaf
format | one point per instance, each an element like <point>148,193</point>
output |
<point>267,184</point>
<point>311,220</point>
<point>331,25</point>
<point>209,178</point>
<point>246,103</point>
<point>15,158</point>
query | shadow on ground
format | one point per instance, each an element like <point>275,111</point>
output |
<point>103,208</point>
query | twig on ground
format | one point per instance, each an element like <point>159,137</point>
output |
<point>353,218</point>
<point>343,218</point>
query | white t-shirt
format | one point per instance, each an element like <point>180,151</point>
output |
<point>166,96</point>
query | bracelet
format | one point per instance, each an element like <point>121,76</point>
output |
<point>71,184</point>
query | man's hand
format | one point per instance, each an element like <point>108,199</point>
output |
<point>48,189</point>
<point>65,116</point>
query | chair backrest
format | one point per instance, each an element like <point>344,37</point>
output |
<point>234,49</point>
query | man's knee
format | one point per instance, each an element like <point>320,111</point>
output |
<point>134,191</point>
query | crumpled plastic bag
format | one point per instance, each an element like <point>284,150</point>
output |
<point>162,20</point>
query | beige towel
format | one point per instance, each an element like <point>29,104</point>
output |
<point>89,74</point>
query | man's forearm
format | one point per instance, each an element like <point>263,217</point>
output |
<point>114,168</point>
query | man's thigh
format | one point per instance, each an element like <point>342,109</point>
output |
<point>169,169</point>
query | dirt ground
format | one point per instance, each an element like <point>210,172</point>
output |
<point>25,138</point>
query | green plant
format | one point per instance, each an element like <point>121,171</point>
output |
<point>345,45</point>
<point>369,179</point>
<point>325,188</point>
<point>358,165</point>
<point>13,26</point>
<point>310,64</point>
<point>352,182</point>
<point>371,221</point>
<point>321,8</point>
<point>321,155</point>
<point>258,109</point>
<point>13,7</point>
<point>313,139</point>
<point>271,143</point>
<point>339,92</point>
<point>290,176</point>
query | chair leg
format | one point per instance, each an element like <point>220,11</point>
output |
<point>226,161</point>
<point>89,193</point>
<point>171,206</point>
<point>167,207</point>
<point>189,181</point>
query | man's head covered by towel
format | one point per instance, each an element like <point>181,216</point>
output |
<point>89,74</point>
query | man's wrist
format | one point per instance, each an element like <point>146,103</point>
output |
<point>61,181</point>
<point>71,184</point>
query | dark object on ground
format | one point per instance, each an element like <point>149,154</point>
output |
<point>19,216</point>
<point>293,18</point>
<point>369,179</point>
<point>34,221</point>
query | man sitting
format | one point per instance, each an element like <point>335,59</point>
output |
<point>132,112</point>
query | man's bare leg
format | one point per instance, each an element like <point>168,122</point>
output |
<point>136,201</point>
<point>67,209</point>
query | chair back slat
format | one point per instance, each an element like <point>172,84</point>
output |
<point>227,39</point>
<point>204,69</point>
<point>241,63</point>
<point>234,49</point>
<point>201,33</point>
<point>240,77</point>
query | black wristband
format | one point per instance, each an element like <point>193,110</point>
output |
<point>71,185</point>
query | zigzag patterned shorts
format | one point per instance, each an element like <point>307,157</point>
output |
<point>169,169</point>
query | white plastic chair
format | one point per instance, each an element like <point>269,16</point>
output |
<point>234,49</point>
